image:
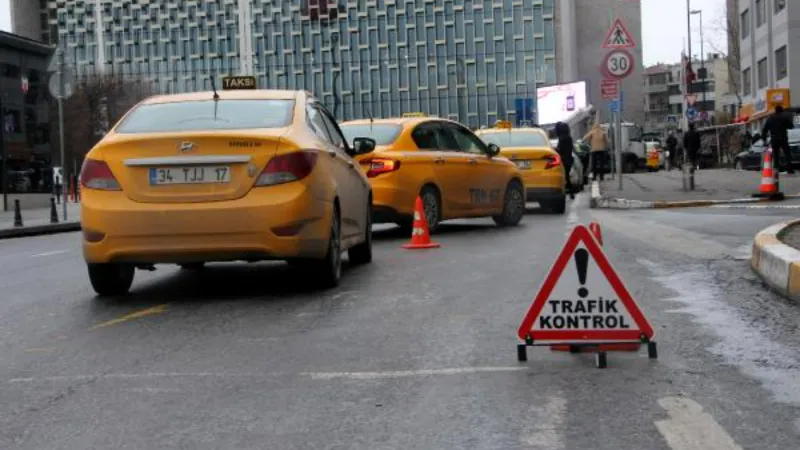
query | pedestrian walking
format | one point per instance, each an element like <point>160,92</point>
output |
<point>691,145</point>
<point>599,149</point>
<point>672,149</point>
<point>565,148</point>
<point>777,129</point>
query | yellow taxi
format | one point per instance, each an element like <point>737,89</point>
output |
<point>239,175</point>
<point>542,171</point>
<point>455,173</point>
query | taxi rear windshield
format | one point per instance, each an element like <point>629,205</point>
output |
<point>384,133</point>
<point>200,115</point>
<point>516,139</point>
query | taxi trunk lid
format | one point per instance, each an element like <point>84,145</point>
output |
<point>192,167</point>
<point>528,158</point>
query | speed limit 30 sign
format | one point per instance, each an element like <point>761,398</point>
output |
<point>618,64</point>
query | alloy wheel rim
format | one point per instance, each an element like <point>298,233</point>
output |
<point>513,204</point>
<point>431,209</point>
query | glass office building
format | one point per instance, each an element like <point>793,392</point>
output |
<point>464,59</point>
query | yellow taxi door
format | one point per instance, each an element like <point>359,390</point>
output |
<point>428,138</point>
<point>345,171</point>
<point>482,179</point>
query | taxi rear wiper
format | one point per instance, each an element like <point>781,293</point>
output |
<point>216,96</point>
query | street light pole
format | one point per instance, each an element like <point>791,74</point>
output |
<point>3,171</point>
<point>702,59</point>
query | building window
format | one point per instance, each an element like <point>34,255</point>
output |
<point>762,73</point>
<point>781,71</point>
<point>761,12</point>
<point>780,5</point>
<point>746,24</point>
<point>747,82</point>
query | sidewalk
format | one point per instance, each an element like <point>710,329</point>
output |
<point>37,221</point>
<point>665,189</point>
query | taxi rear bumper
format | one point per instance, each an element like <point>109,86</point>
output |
<point>278,222</point>
<point>536,194</point>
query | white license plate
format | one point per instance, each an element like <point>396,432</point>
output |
<point>524,164</point>
<point>190,175</point>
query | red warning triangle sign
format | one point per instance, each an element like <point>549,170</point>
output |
<point>583,299</point>
<point>618,36</point>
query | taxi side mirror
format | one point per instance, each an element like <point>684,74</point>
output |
<point>494,150</point>
<point>363,145</point>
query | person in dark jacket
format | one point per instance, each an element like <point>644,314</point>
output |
<point>691,144</point>
<point>672,148</point>
<point>777,128</point>
<point>565,148</point>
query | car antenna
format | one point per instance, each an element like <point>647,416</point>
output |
<point>371,120</point>
<point>216,96</point>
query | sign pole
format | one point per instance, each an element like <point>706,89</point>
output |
<point>3,171</point>
<point>618,140</point>
<point>62,87</point>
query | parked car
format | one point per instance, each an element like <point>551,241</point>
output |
<point>750,159</point>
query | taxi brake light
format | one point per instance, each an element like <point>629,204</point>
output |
<point>553,161</point>
<point>287,168</point>
<point>96,174</point>
<point>378,166</point>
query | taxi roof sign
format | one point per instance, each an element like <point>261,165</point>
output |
<point>583,299</point>
<point>503,124</point>
<point>238,82</point>
<point>415,114</point>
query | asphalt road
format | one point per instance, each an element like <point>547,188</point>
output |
<point>416,351</point>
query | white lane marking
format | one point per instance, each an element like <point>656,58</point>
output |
<point>150,390</point>
<point>665,237</point>
<point>407,373</point>
<point>547,425</point>
<point>690,428</point>
<point>312,375</point>
<point>56,252</point>
<point>742,343</point>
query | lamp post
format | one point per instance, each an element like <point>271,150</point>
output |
<point>702,71</point>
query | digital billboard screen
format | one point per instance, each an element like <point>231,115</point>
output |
<point>557,102</point>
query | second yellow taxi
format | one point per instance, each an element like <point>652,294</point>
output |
<point>541,167</point>
<point>455,173</point>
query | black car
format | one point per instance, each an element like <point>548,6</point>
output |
<point>750,159</point>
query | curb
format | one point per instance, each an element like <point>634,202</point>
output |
<point>38,230</point>
<point>775,262</point>
<point>599,201</point>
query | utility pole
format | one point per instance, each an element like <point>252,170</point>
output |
<point>3,171</point>
<point>63,88</point>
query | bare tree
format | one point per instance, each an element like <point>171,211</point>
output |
<point>729,25</point>
<point>98,102</point>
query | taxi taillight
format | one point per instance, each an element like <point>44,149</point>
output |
<point>378,166</point>
<point>96,174</point>
<point>553,161</point>
<point>287,168</point>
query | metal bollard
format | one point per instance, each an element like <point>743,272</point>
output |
<point>53,212</point>
<point>688,177</point>
<point>17,214</point>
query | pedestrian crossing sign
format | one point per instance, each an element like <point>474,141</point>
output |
<point>583,299</point>
<point>619,37</point>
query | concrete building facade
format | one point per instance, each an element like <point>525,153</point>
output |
<point>768,39</point>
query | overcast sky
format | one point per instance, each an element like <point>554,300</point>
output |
<point>663,27</point>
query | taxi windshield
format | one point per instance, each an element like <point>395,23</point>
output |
<point>383,133</point>
<point>205,115</point>
<point>516,139</point>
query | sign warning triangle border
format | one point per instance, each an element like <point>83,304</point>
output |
<point>618,23</point>
<point>582,234</point>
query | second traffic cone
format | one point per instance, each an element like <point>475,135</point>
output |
<point>768,176</point>
<point>420,235</point>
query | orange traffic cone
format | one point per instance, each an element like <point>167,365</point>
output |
<point>769,179</point>
<point>420,235</point>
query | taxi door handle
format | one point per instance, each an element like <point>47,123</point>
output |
<point>350,163</point>
<point>439,160</point>
<point>473,161</point>
<point>332,154</point>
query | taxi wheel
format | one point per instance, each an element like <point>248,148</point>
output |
<point>111,279</point>
<point>362,253</point>
<point>329,270</point>
<point>432,207</point>
<point>513,206</point>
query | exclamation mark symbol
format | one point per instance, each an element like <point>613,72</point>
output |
<point>582,263</point>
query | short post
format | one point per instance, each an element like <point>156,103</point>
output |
<point>688,177</point>
<point>17,214</point>
<point>53,212</point>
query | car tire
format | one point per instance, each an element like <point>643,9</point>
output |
<point>432,207</point>
<point>362,253</point>
<point>328,272</point>
<point>629,166</point>
<point>739,165</point>
<point>193,266</point>
<point>513,206</point>
<point>109,279</point>
<point>558,206</point>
